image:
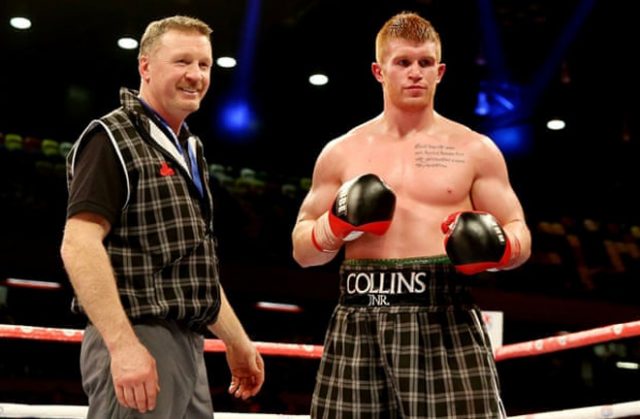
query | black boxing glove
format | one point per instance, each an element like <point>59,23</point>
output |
<point>476,242</point>
<point>364,204</point>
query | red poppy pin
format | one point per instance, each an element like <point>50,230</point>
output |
<point>165,170</point>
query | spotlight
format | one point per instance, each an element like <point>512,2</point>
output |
<point>20,22</point>
<point>318,79</point>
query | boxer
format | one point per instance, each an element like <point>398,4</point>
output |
<point>420,204</point>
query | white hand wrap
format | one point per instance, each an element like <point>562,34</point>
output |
<point>322,236</point>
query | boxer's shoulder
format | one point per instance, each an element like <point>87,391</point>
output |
<point>346,145</point>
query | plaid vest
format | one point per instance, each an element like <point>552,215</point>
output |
<point>162,248</point>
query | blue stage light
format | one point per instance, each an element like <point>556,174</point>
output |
<point>236,118</point>
<point>512,140</point>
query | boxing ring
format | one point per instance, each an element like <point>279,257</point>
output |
<point>511,351</point>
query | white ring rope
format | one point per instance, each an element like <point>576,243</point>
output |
<point>16,410</point>
<point>620,410</point>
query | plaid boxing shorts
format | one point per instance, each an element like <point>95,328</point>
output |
<point>405,341</point>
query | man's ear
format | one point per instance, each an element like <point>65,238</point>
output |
<point>377,71</point>
<point>442,68</point>
<point>143,68</point>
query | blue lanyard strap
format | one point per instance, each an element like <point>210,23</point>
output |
<point>195,170</point>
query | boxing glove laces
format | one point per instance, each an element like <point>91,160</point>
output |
<point>364,204</point>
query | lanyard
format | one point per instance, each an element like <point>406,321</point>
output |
<point>195,170</point>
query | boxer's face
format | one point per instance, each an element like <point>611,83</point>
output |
<point>409,73</point>
<point>177,73</point>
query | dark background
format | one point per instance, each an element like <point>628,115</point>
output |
<point>578,186</point>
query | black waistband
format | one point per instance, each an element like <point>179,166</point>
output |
<point>423,282</point>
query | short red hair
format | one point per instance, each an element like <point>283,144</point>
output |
<point>408,26</point>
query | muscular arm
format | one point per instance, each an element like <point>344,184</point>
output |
<point>245,362</point>
<point>492,192</point>
<point>89,269</point>
<point>324,185</point>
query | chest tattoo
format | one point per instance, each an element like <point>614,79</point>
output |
<point>438,155</point>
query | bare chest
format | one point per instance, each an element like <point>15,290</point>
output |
<point>423,172</point>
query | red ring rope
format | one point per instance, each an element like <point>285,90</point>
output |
<point>211,345</point>
<point>535,347</point>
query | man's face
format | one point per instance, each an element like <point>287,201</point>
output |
<point>409,73</point>
<point>177,73</point>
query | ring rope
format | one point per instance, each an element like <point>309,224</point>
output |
<point>211,345</point>
<point>530,348</point>
<point>620,410</point>
<point>569,341</point>
<point>17,410</point>
<point>517,350</point>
